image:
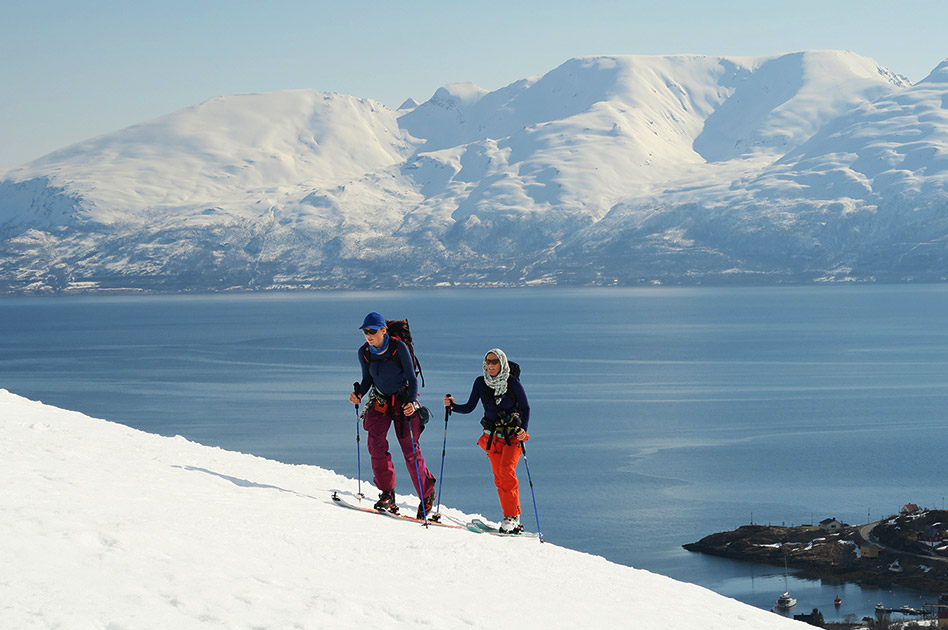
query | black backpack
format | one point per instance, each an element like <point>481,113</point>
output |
<point>398,329</point>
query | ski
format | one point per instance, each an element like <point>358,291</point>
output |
<point>343,503</point>
<point>480,526</point>
<point>431,520</point>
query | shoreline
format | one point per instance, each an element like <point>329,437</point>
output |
<point>904,550</point>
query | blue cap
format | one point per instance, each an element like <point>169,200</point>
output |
<point>373,321</point>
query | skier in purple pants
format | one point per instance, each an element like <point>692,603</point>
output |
<point>389,378</point>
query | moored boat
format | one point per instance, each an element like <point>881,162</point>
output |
<point>785,602</point>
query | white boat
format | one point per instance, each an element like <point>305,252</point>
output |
<point>785,602</point>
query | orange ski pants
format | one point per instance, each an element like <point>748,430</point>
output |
<point>503,461</point>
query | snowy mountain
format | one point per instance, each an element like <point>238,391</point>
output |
<point>103,526</point>
<point>812,166</point>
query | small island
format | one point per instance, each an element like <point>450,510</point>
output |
<point>910,549</point>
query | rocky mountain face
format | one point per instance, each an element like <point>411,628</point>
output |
<point>808,167</point>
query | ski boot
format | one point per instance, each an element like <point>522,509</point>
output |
<point>386,502</point>
<point>425,508</point>
<point>511,525</point>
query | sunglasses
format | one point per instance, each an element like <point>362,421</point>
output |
<point>492,361</point>
<point>370,331</point>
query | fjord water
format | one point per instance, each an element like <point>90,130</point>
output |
<point>659,415</point>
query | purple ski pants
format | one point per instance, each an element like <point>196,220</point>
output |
<point>377,424</point>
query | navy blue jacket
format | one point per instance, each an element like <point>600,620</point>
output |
<point>389,373</point>
<point>514,398</point>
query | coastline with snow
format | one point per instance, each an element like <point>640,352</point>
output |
<point>905,549</point>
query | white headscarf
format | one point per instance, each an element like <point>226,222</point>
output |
<point>497,383</point>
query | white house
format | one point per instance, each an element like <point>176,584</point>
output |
<point>831,525</point>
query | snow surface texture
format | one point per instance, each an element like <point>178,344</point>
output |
<point>810,166</point>
<point>106,527</point>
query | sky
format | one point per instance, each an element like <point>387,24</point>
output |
<point>76,70</point>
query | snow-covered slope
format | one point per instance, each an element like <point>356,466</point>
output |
<point>233,151</point>
<point>103,526</point>
<point>626,169</point>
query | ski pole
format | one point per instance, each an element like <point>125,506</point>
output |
<point>523,449</point>
<point>411,436</point>
<point>355,389</point>
<point>444,448</point>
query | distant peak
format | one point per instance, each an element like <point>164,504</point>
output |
<point>464,92</point>
<point>409,103</point>
<point>938,75</point>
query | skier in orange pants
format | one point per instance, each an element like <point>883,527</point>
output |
<point>506,416</point>
<point>504,458</point>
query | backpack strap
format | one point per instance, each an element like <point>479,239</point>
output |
<point>487,398</point>
<point>416,364</point>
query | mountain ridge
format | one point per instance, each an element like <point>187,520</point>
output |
<point>626,169</point>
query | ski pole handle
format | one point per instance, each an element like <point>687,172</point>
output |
<point>355,390</point>
<point>447,410</point>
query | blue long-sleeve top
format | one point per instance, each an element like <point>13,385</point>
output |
<point>515,398</point>
<point>389,371</point>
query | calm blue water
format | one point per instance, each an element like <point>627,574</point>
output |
<point>659,415</point>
